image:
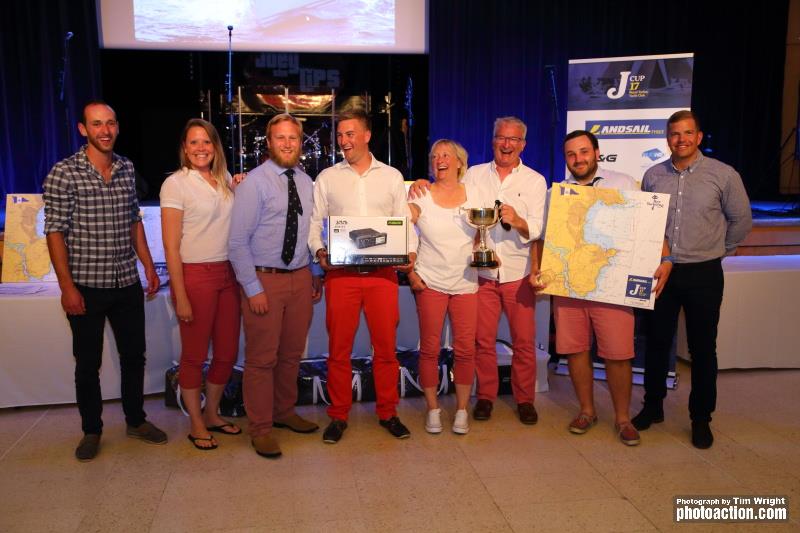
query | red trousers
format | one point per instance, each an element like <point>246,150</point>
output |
<point>346,293</point>
<point>517,300</point>
<point>274,344</point>
<point>463,311</point>
<point>214,296</point>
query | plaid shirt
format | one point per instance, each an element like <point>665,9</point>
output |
<point>95,219</point>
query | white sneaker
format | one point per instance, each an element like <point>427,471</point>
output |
<point>461,422</point>
<point>433,421</point>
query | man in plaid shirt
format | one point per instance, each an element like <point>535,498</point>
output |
<point>93,228</point>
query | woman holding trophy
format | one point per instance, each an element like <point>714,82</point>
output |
<point>443,280</point>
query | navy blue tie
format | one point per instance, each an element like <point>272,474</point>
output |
<point>293,209</point>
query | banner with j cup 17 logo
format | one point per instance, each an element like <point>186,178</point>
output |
<point>625,102</point>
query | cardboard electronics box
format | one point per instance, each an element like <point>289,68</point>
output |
<point>379,241</point>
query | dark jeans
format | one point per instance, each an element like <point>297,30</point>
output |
<point>697,287</point>
<point>125,311</point>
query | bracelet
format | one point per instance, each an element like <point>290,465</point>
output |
<point>667,259</point>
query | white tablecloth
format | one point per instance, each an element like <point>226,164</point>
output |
<point>758,325</point>
<point>37,367</point>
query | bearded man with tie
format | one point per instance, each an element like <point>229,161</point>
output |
<point>268,250</point>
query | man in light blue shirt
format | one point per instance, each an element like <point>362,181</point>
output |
<point>268,250</point>
<point>709,215</point>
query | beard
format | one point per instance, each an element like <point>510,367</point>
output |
<point>283,160</point>
<point>100,147</point>
<point>590,170</point>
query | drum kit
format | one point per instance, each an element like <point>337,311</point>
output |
<point>254,106</point>
<point>314,152</point>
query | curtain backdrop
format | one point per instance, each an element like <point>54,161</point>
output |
<point>34,132</point>
<point>488,58</point>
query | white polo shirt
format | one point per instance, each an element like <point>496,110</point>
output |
<point>206,215</point>
<point>524,189</point>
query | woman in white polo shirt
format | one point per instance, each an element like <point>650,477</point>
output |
<point>196,203</point>
<point>444,282</point>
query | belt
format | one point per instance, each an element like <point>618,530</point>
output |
<point>271,270</point>
<point>361,269</point>
<point>699,265</point>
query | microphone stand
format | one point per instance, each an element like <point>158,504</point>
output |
<point>388,110</point>
<point>550,71</point>
<point>62,81</point>
<point>408,129</point>
<point>229,99</point>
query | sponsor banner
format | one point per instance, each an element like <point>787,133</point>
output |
<point>626,144</point>
<point>631,82</point>
<point>628,129</point>
<point>625,102</point>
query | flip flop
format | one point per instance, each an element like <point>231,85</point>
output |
<point>221,429</point>
<point>204,448</point>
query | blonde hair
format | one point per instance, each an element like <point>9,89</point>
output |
<point>284,117</point>
<point>355,113</point>
<point>461,155</point>
<point>219,170</point>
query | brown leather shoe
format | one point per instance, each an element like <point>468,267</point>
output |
<point>297,424</point>
<point>88,447</point>
<point>147,432</point>
<point>266,446</point>
<point>527,413</point>
<point>483,410</point>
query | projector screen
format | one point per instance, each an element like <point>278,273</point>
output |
<point>362,26</point>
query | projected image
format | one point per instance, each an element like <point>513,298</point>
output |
<point>285,22</point>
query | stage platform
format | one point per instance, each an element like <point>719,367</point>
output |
<point>776,230</point>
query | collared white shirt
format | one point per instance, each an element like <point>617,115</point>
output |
<point>524,189</point>
<point>609,179</point>
<point>206,215</point>
<point>340,190</point>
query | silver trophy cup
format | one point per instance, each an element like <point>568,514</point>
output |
<point>483,218</point>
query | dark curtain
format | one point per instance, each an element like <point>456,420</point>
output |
<point>489,58</point>
<point>36,127</point>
